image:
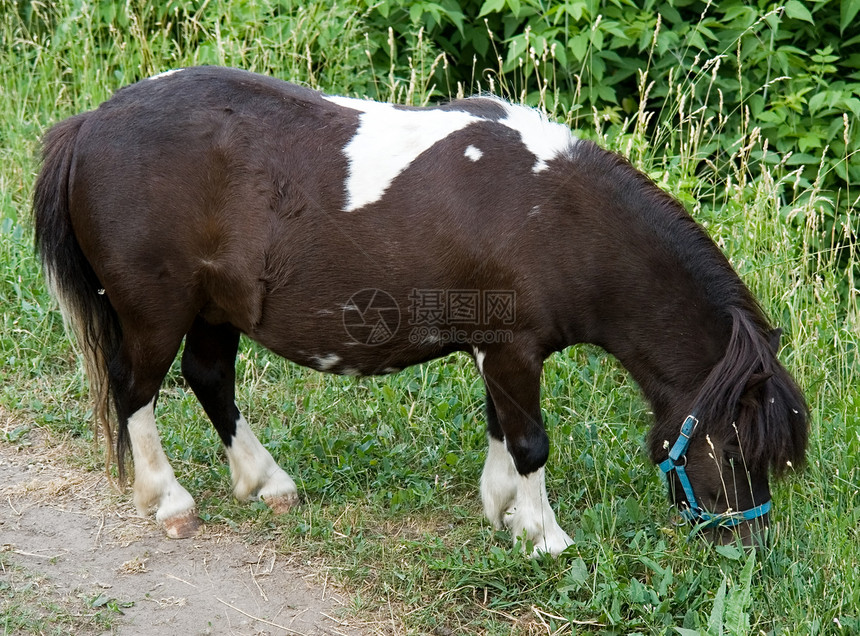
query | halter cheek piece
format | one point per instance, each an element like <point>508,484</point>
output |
<point>694,513</point>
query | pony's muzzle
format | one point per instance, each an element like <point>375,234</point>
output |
<point>754,533</point>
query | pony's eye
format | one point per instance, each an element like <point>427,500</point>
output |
<point>732,457</point>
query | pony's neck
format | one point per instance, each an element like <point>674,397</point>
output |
<point>669,359</point>
<point>644,281</point>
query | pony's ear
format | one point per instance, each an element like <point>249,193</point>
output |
<point>756,380</point>
<point>754,390</point>
<point>775,335</point>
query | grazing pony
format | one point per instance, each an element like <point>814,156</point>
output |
<point>358,238</point>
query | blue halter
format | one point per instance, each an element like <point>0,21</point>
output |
<point>694,513</point>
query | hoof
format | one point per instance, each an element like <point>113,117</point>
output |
<point>282,503</point>
<point>183,527</point>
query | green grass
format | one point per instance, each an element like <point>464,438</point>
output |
<point>389,468</point>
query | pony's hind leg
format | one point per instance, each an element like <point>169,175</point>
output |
<point>136,375</point>
<point>513,486</point>
<point>208,364</point>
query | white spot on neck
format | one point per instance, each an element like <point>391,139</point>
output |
<point>544,139</point>
<point>166,74</point>
<point>473,153</point>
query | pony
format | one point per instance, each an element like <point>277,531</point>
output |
<point>359,238</point>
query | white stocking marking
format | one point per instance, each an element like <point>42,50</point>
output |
<point>498,482</point>
<point>533,516</point>
<point>255,473</point>
<point>155,485</point>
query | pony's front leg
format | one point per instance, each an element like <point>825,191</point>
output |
<point>513,486</point>
<point>500,479</point>
<point>532,517</point>
<point>155,485</point>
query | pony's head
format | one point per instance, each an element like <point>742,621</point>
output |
<point>749,421</point>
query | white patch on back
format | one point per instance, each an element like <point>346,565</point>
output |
<point>387,141</point>
<point>473,153</point>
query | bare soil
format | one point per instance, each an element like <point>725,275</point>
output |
<point>66,532</point>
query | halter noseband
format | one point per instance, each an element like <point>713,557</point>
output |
<point>694,513</point>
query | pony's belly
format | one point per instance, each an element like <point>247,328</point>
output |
<point>357,362</point>
<point>333,345</point>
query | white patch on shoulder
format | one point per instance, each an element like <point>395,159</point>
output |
<point>387,141</point>
<point>166,73</point>
<point>326,362</point>
<point>479,359</point>
<point>544,139</point>
<point>473,153</point>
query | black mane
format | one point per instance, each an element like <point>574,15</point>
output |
<point>749,395</point>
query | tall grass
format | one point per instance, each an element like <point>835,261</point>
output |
<point>389,467</point>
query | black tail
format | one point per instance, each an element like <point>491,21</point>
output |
<point>71,279</point>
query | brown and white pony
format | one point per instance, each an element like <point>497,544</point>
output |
<point>358,237</point>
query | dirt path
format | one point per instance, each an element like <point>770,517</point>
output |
<point>62,529</point>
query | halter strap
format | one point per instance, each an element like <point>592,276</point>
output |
<point>694,513</point>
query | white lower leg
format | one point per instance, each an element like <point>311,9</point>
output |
<point>533,517</point>
<point>155,484</point>
<point>255,473</point>
<point>498,482</point>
